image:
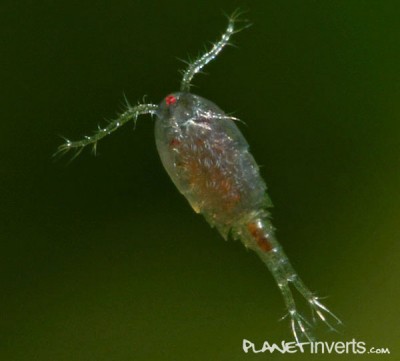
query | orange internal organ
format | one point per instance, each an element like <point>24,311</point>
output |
<point>260,237</point>
<point>209,181</point>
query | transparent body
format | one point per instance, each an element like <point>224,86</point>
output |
<point>208,160</point>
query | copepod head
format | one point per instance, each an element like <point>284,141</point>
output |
<point>177,108</point>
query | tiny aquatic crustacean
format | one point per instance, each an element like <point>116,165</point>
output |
<point>209,161</point>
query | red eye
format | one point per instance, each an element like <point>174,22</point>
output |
<point>170,99</point>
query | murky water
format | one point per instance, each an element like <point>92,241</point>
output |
<point>104,260</point>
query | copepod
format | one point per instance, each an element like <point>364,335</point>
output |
<point>209,161</point>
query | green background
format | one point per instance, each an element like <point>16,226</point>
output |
<point>103,259</point>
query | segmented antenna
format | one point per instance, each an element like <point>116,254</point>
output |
<point>132,113</point>
<point>196,66</point>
